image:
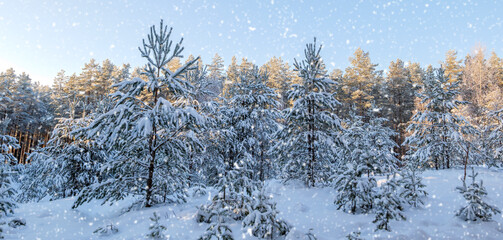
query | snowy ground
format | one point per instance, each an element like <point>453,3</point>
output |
<point>302,208</point>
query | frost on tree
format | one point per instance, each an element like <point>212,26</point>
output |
<point>309,138</point>
<point>476,209</point>
<point>151,128</point>
<point>438,132</point>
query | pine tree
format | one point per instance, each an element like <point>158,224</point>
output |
<point>151,138</point>
<point>309,137</point>
<point>388,205</point>
<point>65,166</point>
<point>262,222</point>
<point>254,110</point>
<point>156,228</point>
<point>360,82</point>
<point>355,192</point>
<point>438,131</point>
<point>231,77</point>
<point>476,209</point>
<point>496,68</point>
<point>400,104</point>
<point>413,191</point>
<point>216,68</point>
<point>452,67</point>
<point>280,78</point>
<point>7,192</point>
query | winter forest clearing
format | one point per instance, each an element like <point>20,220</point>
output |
<point>179,149</point>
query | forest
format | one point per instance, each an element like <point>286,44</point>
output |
<point>176,129</point>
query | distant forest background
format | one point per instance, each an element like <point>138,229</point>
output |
<point>33,110</point>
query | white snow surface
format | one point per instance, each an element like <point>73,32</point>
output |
<point>303,208</point>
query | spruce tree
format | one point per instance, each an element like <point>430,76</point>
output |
<point>309,137</point>
<point>150,136</point>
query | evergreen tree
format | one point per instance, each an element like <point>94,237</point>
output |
<point>7,192</point>
<point>216,68</point>
<point>413,192</point>
<point>151,137</point>
<point>254,112</point>
<point>262,221</point>
<point>360,83</point>
<point>156,228</point>
<point>437,131</point>
<point>476,209</point>
<point>480,87</point>
<point>355,192</point>
<point>400,105</point>
<point>65,166</point>
<point>452,67</point>
<point>280,78</point>
<point>388,205</point>
<point>309,137</point>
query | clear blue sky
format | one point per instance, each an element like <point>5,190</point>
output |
<point>42,37</point>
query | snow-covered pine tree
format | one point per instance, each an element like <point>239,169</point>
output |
<point>368,151</point>
<point>218,215</point>
<point>7,192</point>
<point>412,191</point>
<point>255,112</point>
<point>388,205</point>
<point>438,130</point>
<point>355,191</point>
<point>263,222</point>
<point>150,134</point>
<point>239,139</point>
<point>308,140</point>
<point>476,209</point>
<point>156,228</point>
<point>64,167</point>
<point>370,143</point>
